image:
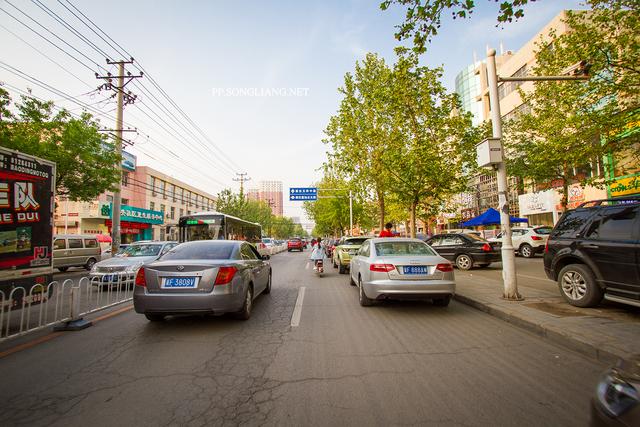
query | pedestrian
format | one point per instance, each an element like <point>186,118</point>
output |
<point>387,230</point>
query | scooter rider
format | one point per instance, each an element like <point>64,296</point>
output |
<point>318,253</point>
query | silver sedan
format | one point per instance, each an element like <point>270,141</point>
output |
<point>395,268</point>
<point>206,276</point>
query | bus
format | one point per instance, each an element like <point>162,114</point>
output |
<point>217,226</point>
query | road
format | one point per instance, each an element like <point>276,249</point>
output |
<point>391,364</point>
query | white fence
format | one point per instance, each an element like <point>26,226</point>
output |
<point>42,306</point>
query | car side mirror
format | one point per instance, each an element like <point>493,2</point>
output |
<point>266,257</point>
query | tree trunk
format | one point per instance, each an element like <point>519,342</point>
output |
<point>381,211</point>
<point>565,189</point>
<point>412,218</point>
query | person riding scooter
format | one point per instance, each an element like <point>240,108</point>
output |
<point>317,256</point>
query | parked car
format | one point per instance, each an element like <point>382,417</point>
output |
<point>125,264</point>
<point>593,253</point>
<point>329,247</point>
<point>294,245</point>
<point>205,276</point>
<point>466,250</point>
<point>268,242</point>
<point>527,241</point>
<point>399,268</point>
<point>617,397</point>
<point>346,248</point>
<point>75,250</point>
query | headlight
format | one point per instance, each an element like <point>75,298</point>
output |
<point>616,395</point>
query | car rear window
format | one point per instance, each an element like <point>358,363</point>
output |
<point>200,250</point>
<point>355,241</point>
<point>403,249</point>
<point>474,237</point>
<point>571,223</point>
<point>543,230</point>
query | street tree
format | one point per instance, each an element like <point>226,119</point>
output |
<point>569,126</point>
<point>432,138</point>
<point>423,18</point>
<point>359,133</point>
<point>86,162</point>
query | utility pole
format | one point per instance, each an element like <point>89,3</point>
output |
<point>123,98</point>
<point>242,180</point>
<point>351,212</point>
<point>577,71</point>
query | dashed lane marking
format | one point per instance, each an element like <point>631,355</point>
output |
<point>297,311</point>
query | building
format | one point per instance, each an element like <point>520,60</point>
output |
<point>152,203</point>
<point>269,192</point>
<point>469,89</point>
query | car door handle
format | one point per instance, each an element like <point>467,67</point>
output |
<point>589,246</point>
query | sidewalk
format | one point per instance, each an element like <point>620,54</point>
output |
<point>604,333</point>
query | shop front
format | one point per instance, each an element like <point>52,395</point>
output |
<point>545,207</point>
<point>624,187</point>
<point>135,223</point>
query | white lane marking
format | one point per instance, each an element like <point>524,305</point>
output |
<point>297,311</point>
<point>307,265</point>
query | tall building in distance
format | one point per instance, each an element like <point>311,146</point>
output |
<point>469,89</point>
<point>269,192</point>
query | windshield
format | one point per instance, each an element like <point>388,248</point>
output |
<point>203,232</point>
<point>141,250</point>
<point>357,241</point>
<point>200,250</point>
<point>403,249</point>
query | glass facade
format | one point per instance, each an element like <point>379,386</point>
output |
<point>468,88</point>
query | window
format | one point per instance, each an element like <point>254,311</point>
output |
<point>161,184</point>
<point>247,253</point>
<point>171,191</point>
<point>110,199</point>
<point>180,193</point>
<point>75,243</point>
<point>200,250</point>
<point>153,185</point>
<point>571,223</point>
<point>152,206</point>
<point>90,243</point>
<point>365,250</point>
<point>181,212</point>
<point>173,212</point>
<point>163,208</point>
<point>452,241</point>
<point>403,249</point>
<point>615,224</point>
<point>59,244</point>
<point>125,179</point>
<point>435,241</point>
<point>188,197</point>
<point>125,201</point>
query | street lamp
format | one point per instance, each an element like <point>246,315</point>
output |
<point>577,71</point>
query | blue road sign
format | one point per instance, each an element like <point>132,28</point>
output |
<point>303,194</point>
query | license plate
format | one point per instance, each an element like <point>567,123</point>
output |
<point>107,278</point>
<point>179,282</point>
<point>415,270</point>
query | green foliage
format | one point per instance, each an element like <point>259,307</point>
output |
<point>573,124</point>
<point>423,17</point>
<point>86,163</point>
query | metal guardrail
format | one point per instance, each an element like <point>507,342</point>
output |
<point>23,311</point>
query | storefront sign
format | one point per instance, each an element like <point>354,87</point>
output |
<point>575,197</point>
<point>128,161</point>
<point>537,203</point>
<point>134,214</point>
<point>625,186</point>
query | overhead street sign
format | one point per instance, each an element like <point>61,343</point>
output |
<point>303,194</point>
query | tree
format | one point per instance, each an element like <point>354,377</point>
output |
<point>359,132</point>
<point>572,125</point>
<point>423,17</point>
<point>86,163</point>
<point>431,141</point>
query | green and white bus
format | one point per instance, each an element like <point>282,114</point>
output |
<point>217,226</point>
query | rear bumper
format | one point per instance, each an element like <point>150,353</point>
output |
<point>381,289</point>
<point>218,301</point>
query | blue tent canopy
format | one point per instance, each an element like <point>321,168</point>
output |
<point>490,217</point>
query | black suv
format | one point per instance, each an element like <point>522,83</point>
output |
<point>594,252</point>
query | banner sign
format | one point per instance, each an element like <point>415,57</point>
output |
<point>133,214</point>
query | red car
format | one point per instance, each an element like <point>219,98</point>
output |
<point>294,244</point>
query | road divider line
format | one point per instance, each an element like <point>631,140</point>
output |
<point>307,265</point>
<point>297,311</point>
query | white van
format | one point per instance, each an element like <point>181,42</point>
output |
<point>75,250</point>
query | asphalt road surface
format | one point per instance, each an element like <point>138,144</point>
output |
<point>391,364</point>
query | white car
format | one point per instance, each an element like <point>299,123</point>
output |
<point>527,241</point>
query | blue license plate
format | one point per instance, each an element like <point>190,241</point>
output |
<point>180,282</point>
<point>107,278</point>
<point>415,270</point>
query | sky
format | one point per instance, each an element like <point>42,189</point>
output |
<point>260,79</point>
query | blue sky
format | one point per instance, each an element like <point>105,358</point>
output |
<point>192,47</point>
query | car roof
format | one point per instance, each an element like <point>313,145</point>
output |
<point>154,242</point>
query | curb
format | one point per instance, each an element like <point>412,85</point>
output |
<point>555,335</point>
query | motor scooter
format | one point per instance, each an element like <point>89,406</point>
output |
<point>319,267</point>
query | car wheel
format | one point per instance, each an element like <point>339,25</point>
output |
<point>154,317</point>
<point>90,263</point>
<point>578,286</point>
<point>334,263</point>
<point>442,302</point>
<point>342,269</point>
<point>363,299</point>
<point>63,269</point>
<point>245,311</point>
<point>464,262</point>
<point>526,250</point>
<point>267,290</point>
<point>288,250</point>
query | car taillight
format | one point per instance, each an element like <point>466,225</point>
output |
<point>445,268</point>
<point>546,247</point>
<point>141,280</point>
<point>225,275</point>
<point>536,238</point>
<point>487,247</point>
<point>382,268</point>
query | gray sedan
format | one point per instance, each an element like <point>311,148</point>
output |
<point>395,268</point>
<point>206,276</point>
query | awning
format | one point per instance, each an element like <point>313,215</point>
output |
<point>490,217</point>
